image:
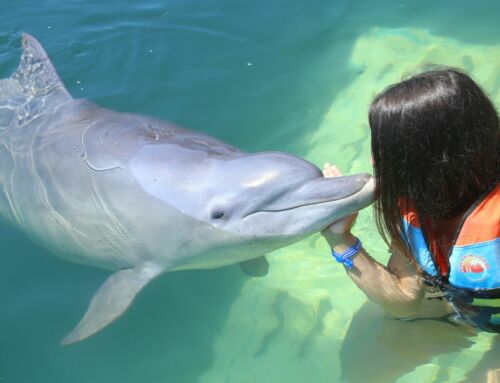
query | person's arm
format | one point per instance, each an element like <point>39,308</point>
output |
<point>397,287</point>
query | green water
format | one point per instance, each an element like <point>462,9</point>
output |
<point>287,75</point>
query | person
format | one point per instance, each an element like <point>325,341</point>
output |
<point>436,154</point>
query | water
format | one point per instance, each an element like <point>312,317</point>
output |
<point>287,75</point>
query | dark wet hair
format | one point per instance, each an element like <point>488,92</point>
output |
<point>436,143</point>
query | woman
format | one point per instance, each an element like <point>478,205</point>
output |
<point>436,154</point>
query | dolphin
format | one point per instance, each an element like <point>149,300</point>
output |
<point>140,197</point>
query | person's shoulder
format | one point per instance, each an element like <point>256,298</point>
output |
<point>482,224</point>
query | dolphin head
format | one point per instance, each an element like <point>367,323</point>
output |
<point>274,194</point>
<point>269,195</point>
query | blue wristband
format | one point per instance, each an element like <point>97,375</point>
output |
<point>346,256</point>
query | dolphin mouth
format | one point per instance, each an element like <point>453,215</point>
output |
<point>366,188</point>
<point>293,207</point>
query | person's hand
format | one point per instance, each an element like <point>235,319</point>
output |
<point>331,171</point>
<point>342,227</point>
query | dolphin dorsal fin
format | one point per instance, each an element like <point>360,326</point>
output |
<point>36,74</point>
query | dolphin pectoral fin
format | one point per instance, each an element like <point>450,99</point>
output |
<point>111,300</point>
<point>256,267</point>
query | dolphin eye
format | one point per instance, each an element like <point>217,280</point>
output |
<point>217,214</point>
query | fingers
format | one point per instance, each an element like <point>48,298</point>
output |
<point>331,170</point>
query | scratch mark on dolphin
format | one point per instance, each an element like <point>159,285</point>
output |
<point>83,155</point>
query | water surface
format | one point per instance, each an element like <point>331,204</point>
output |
<point>291,75</point>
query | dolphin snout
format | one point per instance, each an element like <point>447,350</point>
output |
<point>321,190</point>
<point>331,189</point>
<point>363,177</point>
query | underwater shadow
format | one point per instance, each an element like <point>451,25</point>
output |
<point>167,335</point>
<point>488,369</point>
<point>277,309</point>
<point>379,349</point>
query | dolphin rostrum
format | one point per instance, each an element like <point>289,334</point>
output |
<point>141,196</point>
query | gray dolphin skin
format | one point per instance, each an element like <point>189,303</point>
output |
<point>140,196</point>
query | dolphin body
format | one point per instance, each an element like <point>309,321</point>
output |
<point>140,196</point>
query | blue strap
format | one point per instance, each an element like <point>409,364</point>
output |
<point>346,256</point>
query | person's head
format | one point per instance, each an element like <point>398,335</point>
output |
<point>436,143</point>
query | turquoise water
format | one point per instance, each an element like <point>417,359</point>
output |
<point>288,75</point>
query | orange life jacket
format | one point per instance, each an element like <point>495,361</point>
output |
<point>471,282</point>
